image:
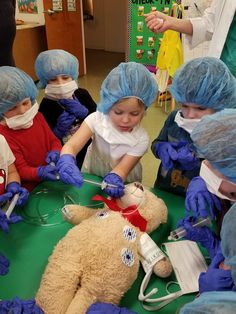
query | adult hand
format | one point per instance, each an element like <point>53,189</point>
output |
<point>73,106</point>
<point>158,22</point>
<point>167,153</point>
<point>69,171</point>
<point>52,157</point>
<point>203,235</point>
<point>64,123</point>
<point>15,188</point>
<point>216,279</point>
<point>114,185</point>
<point>199,200</point>
<point>48,172</point>
<point>4,265</point>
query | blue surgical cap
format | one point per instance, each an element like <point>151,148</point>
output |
<point>15,85</point>
<point>214,138</point>
<point>128,79</point>
<point>206,82</point>
<point>228,243</point>
<point>214,302</point>
<point>55,62</point>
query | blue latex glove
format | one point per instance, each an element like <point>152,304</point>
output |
<point>167,153</point>
<point>14,188</point>
<point>203,235</point>
<point>48,172</point>
<point>187,159</point>
<point>52,157</point>
<point>216,279</point>
<point>73,106</point>
<point>4,221</point>
<point>64,123</point>
<point>18,306</point>
<point>114,179</point>
<point>199,200</point>
<point>68,170</point>
<point>107,308</point>
<point>4,266</point>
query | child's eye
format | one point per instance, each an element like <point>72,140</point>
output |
<point>134,114</point>
<point>118,112</point>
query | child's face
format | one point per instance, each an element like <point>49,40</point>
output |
<point>126,114</point>
<point>193,111</point>
<point>60,79</point>
<point>19,108</point>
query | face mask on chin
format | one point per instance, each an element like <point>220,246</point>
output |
<point>186,124</point>
<point>213,182</point>
<point>61,91</point>
<point>23,121</point>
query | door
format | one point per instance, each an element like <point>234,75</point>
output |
<point>64,28</point>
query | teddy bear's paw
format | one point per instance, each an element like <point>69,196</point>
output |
<point>163,268</point>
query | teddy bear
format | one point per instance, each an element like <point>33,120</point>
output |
<point>98,259</point>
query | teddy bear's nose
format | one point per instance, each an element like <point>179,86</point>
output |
<point>139,186</point>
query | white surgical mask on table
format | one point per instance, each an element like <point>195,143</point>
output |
<point>60,91</point>
<point>186,124</point>
<point>213,182</point>
<point>23,121</point>
<point>188,262</point>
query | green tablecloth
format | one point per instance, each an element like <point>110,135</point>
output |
<point>29,243</point>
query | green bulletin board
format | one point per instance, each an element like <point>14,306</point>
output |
<point>143,45</point>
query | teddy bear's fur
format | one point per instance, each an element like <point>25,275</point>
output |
<point>98,259</point>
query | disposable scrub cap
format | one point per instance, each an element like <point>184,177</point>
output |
<point>128,79</point>
<point>214,138</point>
<point>206,82</point>
<point>15,85</point>
<point>228,243</point>
<point>55,62</point>
<point>215,302</point>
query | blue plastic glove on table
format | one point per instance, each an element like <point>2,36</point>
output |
<point>18,306</point>
<point>68,170</point>
<point>216,279</point>
<point>199,200</point>
<point>73,106</point>
<point>52,157</point>
<point>115,185</point>
<point>107,308</point>
<point>64,124</point>
<point>48,172</point>
<point>4,267</point>
<point>12,189</point>
<point>203,235</point>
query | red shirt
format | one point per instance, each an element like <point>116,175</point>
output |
<point>30,147</point>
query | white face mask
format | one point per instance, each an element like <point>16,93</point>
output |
<point>213,182</point>
<point>187,262</point>
<point>60,91</point>
<point>186,124</point>
<point>23,121</point>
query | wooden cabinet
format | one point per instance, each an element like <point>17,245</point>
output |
<point>30,40</point>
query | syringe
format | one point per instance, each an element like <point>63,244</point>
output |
<point>181,232</point>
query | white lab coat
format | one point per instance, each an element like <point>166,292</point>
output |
<point>213,25</point>
<point>109,145</point>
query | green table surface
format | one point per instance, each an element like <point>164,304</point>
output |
<point>30,242</point>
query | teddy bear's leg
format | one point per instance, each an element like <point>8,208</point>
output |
<point>81,301</point>
<point>74,214</point>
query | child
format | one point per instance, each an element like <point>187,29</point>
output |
<point>65,105</point>
<point>201,87</point>
<point>118,141</point>
<point>26,131</point>
<point>9,186</point>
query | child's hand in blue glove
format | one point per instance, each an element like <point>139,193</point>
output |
<point>4,265</point>
<point>114,185</point>
<point>48,172</point>
<point>15,188</point>
<point>52,157</point>
<point>199,200</point>
<point>73,106</point>
<point>167,153</point>
<point>64,123</point>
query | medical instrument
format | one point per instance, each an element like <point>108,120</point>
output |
<point>181,232</point>
<point>103,185</point>
<point>12,205</point>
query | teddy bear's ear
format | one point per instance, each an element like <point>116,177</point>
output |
<point>153,210</point>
